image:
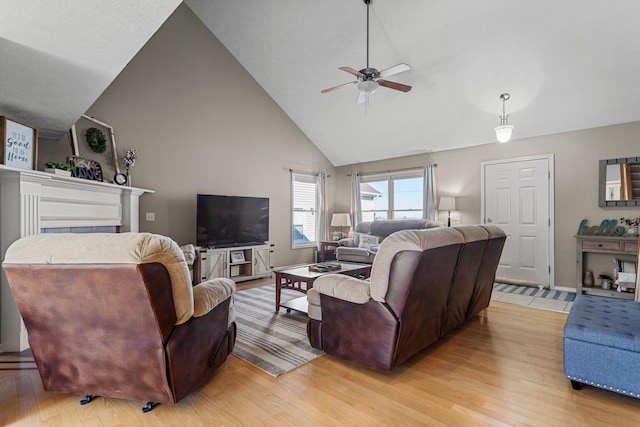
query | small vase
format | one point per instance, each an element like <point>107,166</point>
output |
<point>588,278</point>
<point>632,231</point>
<point>128,180</point>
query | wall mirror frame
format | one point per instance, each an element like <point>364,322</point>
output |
<point>617,194</point>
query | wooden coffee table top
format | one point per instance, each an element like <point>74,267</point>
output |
<point>302,271</point>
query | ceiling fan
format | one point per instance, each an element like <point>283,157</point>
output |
<point>370,79</point>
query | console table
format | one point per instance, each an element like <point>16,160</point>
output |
<point>625,246</point>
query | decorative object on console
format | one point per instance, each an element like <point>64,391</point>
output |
<point>130,162</point>
<point>341,220</point>
<point>503,132</point>
<point>588,278</point>
<point>608,227</point>
<point>19,144</point>
<point>447,203</point>
<point>237,256</point>
<point>85,168</point>
<point>633,223</point>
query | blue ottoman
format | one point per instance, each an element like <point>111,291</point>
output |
<point>602,344</point>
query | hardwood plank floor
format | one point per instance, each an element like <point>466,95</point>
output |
<point>504,367</point>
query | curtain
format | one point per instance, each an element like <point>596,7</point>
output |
<point>322,227</point>
<point>356,208</point>
<point>429,203</point>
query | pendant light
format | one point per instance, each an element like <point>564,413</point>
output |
<point>503,132</point>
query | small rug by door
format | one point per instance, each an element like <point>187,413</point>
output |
<point>273,342</point>
<point>535,292</point>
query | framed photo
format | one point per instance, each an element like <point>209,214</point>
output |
<point>19,144</point>
<point>237,256</point>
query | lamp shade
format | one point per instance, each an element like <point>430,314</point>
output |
<point>503,133</point>
<point>447,203</point>
<point>341,220</point>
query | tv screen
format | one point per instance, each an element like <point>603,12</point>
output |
<point>231,220</point>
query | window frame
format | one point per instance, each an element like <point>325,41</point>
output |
<point>304,178</point>
<point>390,177</point>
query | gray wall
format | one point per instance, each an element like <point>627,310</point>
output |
<point>200,124</point>
<point>576,179</point>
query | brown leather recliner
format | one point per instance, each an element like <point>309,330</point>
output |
<point>116,315</point>
<point>424,284</point>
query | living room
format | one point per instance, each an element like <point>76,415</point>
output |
<point>202,124</point>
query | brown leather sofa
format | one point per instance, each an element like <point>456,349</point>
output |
<point>423,284</point>
<point>116,315</point>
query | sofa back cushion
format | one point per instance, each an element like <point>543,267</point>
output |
<point>110,248</point>
<point>406,240</point>
<point>386,227</point>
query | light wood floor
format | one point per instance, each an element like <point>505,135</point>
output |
<point>504,367</point>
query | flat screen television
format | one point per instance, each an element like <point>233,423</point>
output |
<point>225,221</point>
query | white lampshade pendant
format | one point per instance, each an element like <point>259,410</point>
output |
<point>504,131</point>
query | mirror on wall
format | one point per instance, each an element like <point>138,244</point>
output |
<point>619,182</point>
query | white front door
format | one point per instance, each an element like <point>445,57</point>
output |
<point>517,196</point>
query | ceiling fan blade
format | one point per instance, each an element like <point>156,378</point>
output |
<point>331,89</point>
<point>393,70</point>
<point>352,71</point>
<point>394,85</point>
<point>363,97</point>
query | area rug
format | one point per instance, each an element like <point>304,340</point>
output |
<point>273,342</point>
<point>535,292</point>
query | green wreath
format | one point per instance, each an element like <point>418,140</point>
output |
<point>96,140</point>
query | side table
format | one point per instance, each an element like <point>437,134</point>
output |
<point>326,245</point>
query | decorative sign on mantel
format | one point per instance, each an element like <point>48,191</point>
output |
<point>85,168</point>
<point>608,227</point>
<point>19,144</point>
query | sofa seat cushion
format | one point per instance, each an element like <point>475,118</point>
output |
<point>608,322</point>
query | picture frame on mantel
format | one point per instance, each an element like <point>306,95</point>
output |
<point>19,144</point>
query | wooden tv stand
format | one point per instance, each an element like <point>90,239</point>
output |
<point>239,263</point>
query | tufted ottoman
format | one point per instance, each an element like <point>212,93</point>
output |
<point>602,344</point>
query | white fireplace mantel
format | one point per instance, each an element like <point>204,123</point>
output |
<point>32,201</point>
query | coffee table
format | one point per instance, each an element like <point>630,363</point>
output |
<point>300,278</point>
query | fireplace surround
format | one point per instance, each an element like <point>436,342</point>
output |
<point>33,202</point>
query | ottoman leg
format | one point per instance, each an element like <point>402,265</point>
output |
<point>576,385</point>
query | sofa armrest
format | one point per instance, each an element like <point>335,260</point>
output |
<point>347,241</point>
<point>343,287</point>
<point>209,294</point>
<point>339,286</point>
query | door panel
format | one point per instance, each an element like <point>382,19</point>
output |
<point>516,197</point>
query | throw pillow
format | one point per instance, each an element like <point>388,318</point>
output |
<point>367,240</point>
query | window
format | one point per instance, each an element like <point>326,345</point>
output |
<point>394,195</point>
<point>304,210</point>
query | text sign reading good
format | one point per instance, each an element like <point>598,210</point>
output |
<point>18,145</point>
<point>608,227</point>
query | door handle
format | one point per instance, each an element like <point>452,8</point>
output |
<point>489,219</point>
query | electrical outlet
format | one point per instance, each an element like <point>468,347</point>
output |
<point>151,216</point>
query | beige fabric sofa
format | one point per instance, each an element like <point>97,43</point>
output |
<point>362,247</point>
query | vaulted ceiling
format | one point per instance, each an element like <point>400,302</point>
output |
<point>568,65</point>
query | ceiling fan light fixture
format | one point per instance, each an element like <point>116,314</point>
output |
<point>504,131</point>
<point>368,86</point>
